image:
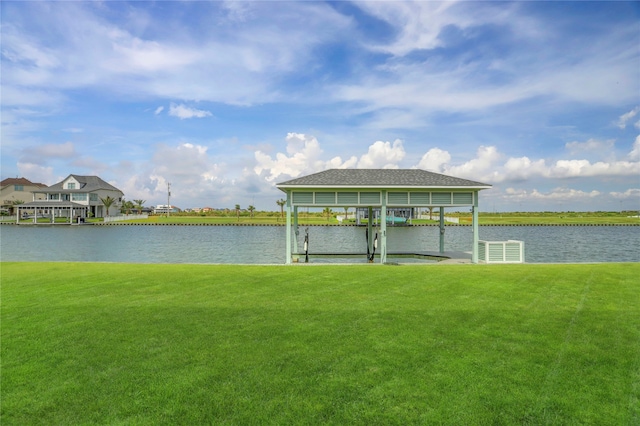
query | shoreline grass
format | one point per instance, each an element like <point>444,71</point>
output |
<point>485,218</point>
<point>92,343</point>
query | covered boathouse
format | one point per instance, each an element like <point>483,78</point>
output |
<point>380,189</point>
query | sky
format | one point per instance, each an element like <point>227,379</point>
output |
<point>223,100</point>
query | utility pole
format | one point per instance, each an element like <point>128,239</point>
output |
<point>168,198</point>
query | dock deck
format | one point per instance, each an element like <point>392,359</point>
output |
<point>409,257</point>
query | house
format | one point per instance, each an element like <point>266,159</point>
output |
<point>75,196</point>
<point>16,190</point>
<point>164,208</point>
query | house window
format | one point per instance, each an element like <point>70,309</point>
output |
<point>79,197</point>
<point>93,197</point>
<point>71,185</point>
<point>54,196</point>
<point>18,187</point>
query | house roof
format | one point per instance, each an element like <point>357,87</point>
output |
<point>380,178</point>
<point>20,181</point>
<point>87,184</point>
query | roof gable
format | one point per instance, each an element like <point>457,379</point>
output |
<point>20,181</point>
<point>404,178</point>
<point>86,184</point>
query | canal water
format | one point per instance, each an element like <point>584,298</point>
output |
<point>266,244</point>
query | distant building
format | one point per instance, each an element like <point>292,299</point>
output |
<point>164,208</point>
<point>18,189</point>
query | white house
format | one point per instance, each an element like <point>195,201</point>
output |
<point>164,208</point>
<point>75,196</point>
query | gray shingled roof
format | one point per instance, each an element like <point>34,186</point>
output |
<point>380,178</point>
<point>87,184</point>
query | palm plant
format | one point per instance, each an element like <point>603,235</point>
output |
<point>107,202</point>
<point>127,206</point>
<point>139,204</point>
<point>13,204</point>
<point>251,209</point>
<point>328,212</point>
<point>281,203</point>
<point>238,212</point>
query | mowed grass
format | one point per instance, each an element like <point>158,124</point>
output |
<point>87,343</point>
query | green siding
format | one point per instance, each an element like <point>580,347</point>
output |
<point>303,198</point>
<point>325,198</point>
<point>441,198</point>
<point>372,198</point>
<point>463,198</point>
<point>395,198</point>
<point>348,198</point>
<point>420,198</point>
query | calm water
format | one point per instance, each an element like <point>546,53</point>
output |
<point>266,244</point>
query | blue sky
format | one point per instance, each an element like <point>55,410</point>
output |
<point>226,99</point>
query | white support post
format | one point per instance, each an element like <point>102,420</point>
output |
<point>296,232</point>
<point>441,230</point>
<point>474,250</point>
<point>383,228</point>
<point>288,231</point>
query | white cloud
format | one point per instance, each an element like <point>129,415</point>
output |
<point>535,64</point>
<point>419,24</point>
<point>592,145</point>
<point>483,167</point>
<point>137,54</point>
<point>561,194</point>
<point>39,154</point>
<point>626,117</point>
<point>303,157</point>
<point>158,110</point>
<point>631,194</point>
<point>184,160</point>
<point>488,166</point>
<point>634,155</point>
<point>584,168</point>
<point>435,160</point>
<point>182,111</point>
<point>523,168</point>
<point>382,155</point>
<point>37,173</point>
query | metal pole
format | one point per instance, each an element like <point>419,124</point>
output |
<point>168,198</point>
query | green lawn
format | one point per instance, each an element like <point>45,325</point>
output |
<point>86,343</point>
